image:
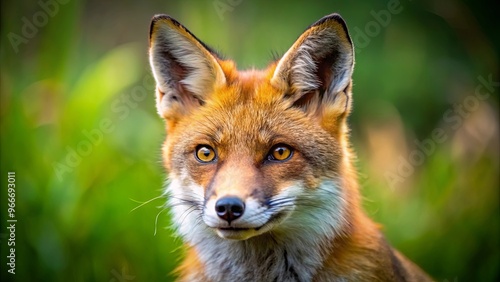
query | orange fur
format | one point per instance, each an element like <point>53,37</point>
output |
<point>294,219</point>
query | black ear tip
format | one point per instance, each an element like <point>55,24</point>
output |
<point>161,17</point>
<point>336,18</point>
<point>331,17</point>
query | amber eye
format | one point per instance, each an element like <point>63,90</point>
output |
<point>205,153</point>
<point>280,153</point>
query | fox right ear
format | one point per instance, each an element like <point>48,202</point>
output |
<point>186,70</point>
<point>315,73</point>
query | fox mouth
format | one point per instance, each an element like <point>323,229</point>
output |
<point>235,233</point>
<point>233,229</point>
<point>243,233</point>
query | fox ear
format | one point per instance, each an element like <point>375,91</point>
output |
<point>186,70</point>
<point>315,73</point>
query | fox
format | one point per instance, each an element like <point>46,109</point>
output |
<point>261,183</point>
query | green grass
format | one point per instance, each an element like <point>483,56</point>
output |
<point>79,85</point>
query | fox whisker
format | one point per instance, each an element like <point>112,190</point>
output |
<point>146,202</point>
<point>156,220</point>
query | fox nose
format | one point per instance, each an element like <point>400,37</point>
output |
<point>229,208</point>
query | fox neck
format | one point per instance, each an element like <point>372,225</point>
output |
<point>264,258</point>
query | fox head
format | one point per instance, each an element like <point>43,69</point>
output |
<point>253,153</point>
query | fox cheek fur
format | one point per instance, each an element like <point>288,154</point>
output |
<point>261,181</point>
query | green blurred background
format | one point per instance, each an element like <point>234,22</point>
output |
<point>79,128</point>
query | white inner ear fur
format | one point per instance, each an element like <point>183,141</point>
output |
<point>299,65</point>
<point>202,71</point>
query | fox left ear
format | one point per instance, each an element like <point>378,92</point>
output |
<point>185,69</point>
<point>315,73</point>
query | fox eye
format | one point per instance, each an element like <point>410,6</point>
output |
<point>205,154</point>
<point>280,153</point>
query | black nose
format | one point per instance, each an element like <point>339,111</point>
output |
<point>229,208</point>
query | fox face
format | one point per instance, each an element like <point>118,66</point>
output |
<point>255,152</point>
<point>248,167</point>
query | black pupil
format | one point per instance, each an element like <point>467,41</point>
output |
<point>206,152</point>
<point>281,151</point>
